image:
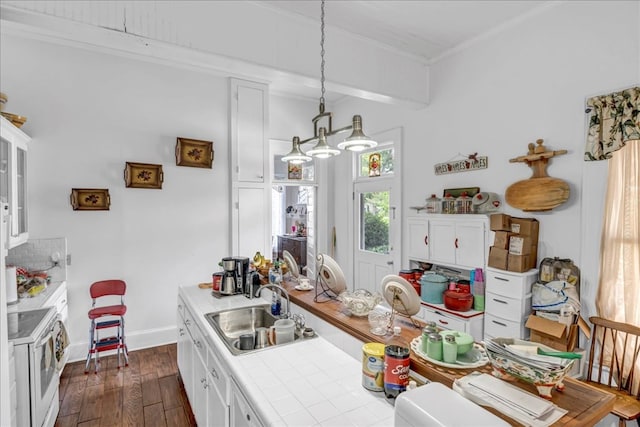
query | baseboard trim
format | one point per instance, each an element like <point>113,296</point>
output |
<point>135,341</point>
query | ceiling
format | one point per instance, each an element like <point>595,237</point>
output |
<point>425,29</point>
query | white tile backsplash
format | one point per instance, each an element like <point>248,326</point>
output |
<point>35,255</point>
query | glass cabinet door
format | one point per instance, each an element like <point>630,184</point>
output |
<point>21,194</point>
<point>4,170</point>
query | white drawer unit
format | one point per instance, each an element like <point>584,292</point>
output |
<point>496,327</point>
<point>509,283</point>
<point>507,303</point>
<point>507,307</point>
<point>445,319</point>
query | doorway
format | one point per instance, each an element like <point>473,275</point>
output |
<point>293,210</point>
<point>377,212</point>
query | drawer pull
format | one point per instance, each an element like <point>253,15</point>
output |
<point>500,301</point>
<point>501,278</point>
<point>499,323</point>
<point>443,322</point>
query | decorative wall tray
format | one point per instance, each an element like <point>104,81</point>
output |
<point>474,358</point>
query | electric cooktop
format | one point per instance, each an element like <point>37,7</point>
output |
<point>25,326</point>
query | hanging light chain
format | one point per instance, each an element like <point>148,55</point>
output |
<point>322,57</point>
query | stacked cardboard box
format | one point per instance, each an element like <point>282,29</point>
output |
<point>515,246</point>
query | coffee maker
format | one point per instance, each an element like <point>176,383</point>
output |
<point>242,270</point>
<point>229,283</point>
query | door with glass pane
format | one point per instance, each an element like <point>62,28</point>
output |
<point>376,218</point>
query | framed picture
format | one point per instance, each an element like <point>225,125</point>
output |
<point>194,153</point>
<point>90,199</point>
<point>294,171</point>
<point>457,192</point>
<point>143,175</point>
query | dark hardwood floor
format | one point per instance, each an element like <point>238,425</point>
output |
<point>148,392</point>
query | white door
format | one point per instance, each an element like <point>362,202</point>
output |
<point>377,214</point>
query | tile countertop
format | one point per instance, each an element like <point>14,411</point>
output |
<point>35,302</point>
<point>311,383</point>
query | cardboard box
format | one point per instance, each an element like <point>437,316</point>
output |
<point>533,257</point>
<point>518,263</point>
<point>500,222</point>
<point>526,226</point>
<point>498,258</point>
<point>554,334</point>
<point>520,245</point>
<point>501,239</point>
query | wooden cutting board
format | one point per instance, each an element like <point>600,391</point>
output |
<point>537,194</point>
<point>540,192</point>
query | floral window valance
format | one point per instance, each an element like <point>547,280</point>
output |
<point>614,120</point>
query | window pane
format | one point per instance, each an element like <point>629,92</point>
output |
<point>374,222</point>
<point>386,162</point>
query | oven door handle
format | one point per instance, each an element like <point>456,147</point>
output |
<point>47,337</point>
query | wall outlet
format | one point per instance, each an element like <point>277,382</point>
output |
<point>55,259</point>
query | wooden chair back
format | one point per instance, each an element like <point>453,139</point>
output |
<point>616,369</point>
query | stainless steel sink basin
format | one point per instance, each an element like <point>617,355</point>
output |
<point>231,324</point>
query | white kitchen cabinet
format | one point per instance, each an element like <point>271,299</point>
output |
<point>249,123</point>
<point>201,390</point>
<point>458,241</point>
<point>203,375</point>
<point>507,303</point>
<point>418,238</point>
<point>242,414</point>
<point>185,349</point>
<point>13,180</point>
<point>217,392</point>
<point>250,168</point>
<point>451,240</point>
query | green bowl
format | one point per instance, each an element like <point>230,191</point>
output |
<point>464,341</point>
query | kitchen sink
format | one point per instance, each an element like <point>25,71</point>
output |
<point>231,324</point>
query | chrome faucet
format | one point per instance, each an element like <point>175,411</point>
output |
<point>286,294</point>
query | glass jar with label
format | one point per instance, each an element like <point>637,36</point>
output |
<point>434,204</point>
<point>448,204</point>
<point>463,204</point>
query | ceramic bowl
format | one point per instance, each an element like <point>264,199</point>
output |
<point>545,380</point>
<point>464,341</point>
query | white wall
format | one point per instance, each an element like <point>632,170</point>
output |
<point>507,90</point>
<point>88,114</point>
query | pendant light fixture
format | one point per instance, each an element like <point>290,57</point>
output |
<point>357,141</point>
<point>296,156</point>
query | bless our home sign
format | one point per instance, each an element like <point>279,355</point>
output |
<point>472,163</point>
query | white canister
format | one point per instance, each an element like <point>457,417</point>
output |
<point>12,285</point>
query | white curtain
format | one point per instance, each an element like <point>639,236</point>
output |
<point>619,288</point>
